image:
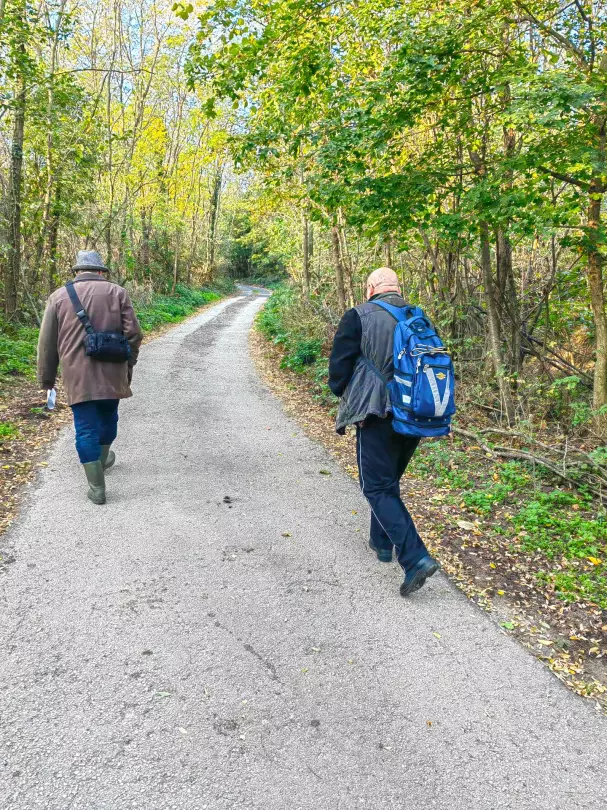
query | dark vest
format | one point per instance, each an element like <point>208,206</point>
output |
<point>366,394</point>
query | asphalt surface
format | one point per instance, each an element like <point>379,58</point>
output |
<point>219,636</point>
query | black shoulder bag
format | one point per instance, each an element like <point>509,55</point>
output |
<point>110,347</point>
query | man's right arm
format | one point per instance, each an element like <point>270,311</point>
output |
<point>48,351</point>
<point>345,352</point>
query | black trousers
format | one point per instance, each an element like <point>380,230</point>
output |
<point>383,456</point>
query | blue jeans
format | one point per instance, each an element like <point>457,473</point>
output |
<point>96,423</point>
<point>383,456</point>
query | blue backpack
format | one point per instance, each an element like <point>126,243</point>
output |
<point>422,391</point>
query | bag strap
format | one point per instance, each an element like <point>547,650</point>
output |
<point>400,314</point>
<point>79,309</point>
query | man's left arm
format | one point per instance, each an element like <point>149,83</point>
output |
<point>345,352</point>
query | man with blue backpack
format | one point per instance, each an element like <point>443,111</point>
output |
<point>396,384</point>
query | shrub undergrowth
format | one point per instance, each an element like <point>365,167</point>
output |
<point>302,336</point>
<point>562,530</point>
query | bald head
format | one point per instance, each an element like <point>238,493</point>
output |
<point>382,280</point>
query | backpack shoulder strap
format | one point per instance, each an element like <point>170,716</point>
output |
<point>78,308</point>
<point>400,314</point>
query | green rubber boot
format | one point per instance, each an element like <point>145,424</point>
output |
<point>94,475</point>
<point>108,457</point>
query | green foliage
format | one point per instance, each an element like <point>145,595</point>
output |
<point>17,351</point>
<point>303,353</point>
<point>261,242</point>
<point>559,525</point>
<point>282,321</point>
<point>555,524</point>
<point>8,431</point>
<point>456,124</point>
<point>270,320</point>
<point>571,401</point>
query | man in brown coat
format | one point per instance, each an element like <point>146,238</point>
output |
<point>94,387</point>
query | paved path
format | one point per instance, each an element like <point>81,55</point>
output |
<point>173,650</point>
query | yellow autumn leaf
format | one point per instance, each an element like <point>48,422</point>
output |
<point>594,560</point>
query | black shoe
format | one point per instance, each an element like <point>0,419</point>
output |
<point>383,554</point>
<point>417,576</point>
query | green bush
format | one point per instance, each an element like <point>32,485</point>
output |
<point>8,431</point>
<point>288,320</point>
<point>302,353</point>
<point>270,320</point>
<point>17,351</point>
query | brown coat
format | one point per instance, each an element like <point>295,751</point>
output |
<point>62,337</point>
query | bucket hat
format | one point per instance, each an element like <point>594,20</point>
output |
<point>89,260</point>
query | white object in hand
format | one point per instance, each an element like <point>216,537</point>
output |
<point>51,398</point>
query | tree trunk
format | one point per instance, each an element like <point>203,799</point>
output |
<point>339,271</point>
<point>145,242</point>
<point>213,215</point>
<point>346,259</point>
<point>176,261</point>
<point>495,348</point>
<point>53,236</point>
<point>13,265</point>
<point>509,299</point>
<point>388,252</point>
<point>108,223</point>
<point>49,215</point>
<point>306,253</point>
<point>594,273</point>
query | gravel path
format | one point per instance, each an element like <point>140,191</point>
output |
<point>218,636</point>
